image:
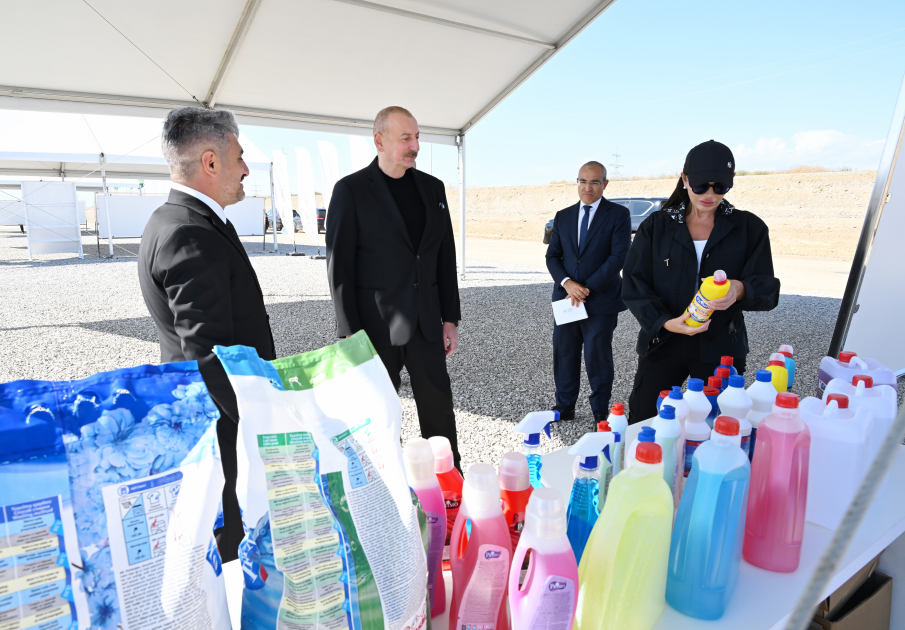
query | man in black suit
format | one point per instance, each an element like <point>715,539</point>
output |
<point>196,278</point>
<point>391,265</point>
<point>588,246</point>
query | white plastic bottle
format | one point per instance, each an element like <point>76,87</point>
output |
<point>697,431</point>
<point>763,397</point>
<point>670,435</point>
<point>880,401</point>
<point>677,401</point>
<point>736,403</point>
<point>849,365</point>
<point>618,424</point>
<point>647,434</point>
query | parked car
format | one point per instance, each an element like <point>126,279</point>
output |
<point>639,207</point>
<point>321,217</point>
<point>296,220</point>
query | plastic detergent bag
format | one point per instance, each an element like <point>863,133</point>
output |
<point>109,493</point>
<point>334,536</point>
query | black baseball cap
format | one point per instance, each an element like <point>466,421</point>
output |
<point>710,161</point>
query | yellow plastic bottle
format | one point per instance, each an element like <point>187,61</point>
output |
<point>622,575</point>
<point>713,288</point>
<point>780,374</point>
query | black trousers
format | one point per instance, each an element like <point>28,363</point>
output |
<point>596,335</point>
<point>426,364</point>
<point>670,364</point>
<point>231,534</point>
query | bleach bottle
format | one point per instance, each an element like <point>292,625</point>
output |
<point>789,355</point>
<point>848,365</point>
<point>696,430</point>
<point>777,367</point>
<point>622,576</point>
<point>647,434</point>
<point>419,471</point>
<point>712,391</point>
<point>723,373</point>
<point>726,362</point>
<point>546,600</point>
<point>450,480</point>
<point>515,491</point>
<point>619,425</point>
<point>736,403</point>
<point>663,395</point>
<point>706,548</point>
<point>712,288</point>
<point>774,524</point>
<point>480,560</point>
<point>763,397</point>
<point>676,400</point>
<point>670,435</point>
<point>586,498</point>
<point>532,426</point>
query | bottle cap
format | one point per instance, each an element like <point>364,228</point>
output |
<point>727,361</point>
<point>545,515</point>
<point>648,434</point>
<point>787,400</point>
<point>481,491</point>
<point>514,472</point>
<point>726,425</point>
<point>764,376</point>
<point>841,400</point>
<point>712,391</point>
<point>443,455</point>
<point>723,372</point>
<point>786,348</point>
<point>667,412</point>
<point>719,277</point>
<point>676,393</point>
<point>737,380</point>
<point>861,378</point>
<point>603,426</point>
<point>715,381</point>
<point>846,356</point>
<point>649,453</point>
<point>618,409</point>
<point>418,457</point>
<point>664,393</point>
<point>695,385</point>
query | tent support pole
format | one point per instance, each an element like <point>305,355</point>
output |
<point>461,145</point>
<point>273,211</point>
<point>106,207</point>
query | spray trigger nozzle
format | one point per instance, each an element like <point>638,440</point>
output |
<point>590,446</point>
<point>535,423</point>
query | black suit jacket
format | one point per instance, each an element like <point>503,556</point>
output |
<point>599,260</point>
<point>378,280</point>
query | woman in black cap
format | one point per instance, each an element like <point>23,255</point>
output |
<point>697,233</point>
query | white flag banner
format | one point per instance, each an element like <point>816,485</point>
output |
<point>307,200</point>
<point>361,152</point>
<point>329,169</point>
<point>282,196</point>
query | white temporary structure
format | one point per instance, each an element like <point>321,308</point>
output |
<point>51,218</point>
<point>450,63</point>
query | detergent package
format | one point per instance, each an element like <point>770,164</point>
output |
<point>109,494</point>
<point>335,536</point>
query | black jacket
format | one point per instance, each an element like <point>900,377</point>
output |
<point>656,291</point>
<point>378,281</point>
<point>598,263</point>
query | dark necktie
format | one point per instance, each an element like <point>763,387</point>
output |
<point>583,231</point>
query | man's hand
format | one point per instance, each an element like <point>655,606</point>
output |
<point>577,292</point>
<point>736,294</point>
<point>450,337</point>
<point>679,326</point>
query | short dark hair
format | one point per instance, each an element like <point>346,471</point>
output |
<point>596,164</point>
<point>380,121</point>
<point>190,131</point>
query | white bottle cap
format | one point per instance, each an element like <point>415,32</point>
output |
<point>481,491</point>
<point>514,472</point>
<point>777,357</point>
<point>786,348</point>
<point>545,516</point>
<point>419,460</point>
<point>443,455</point>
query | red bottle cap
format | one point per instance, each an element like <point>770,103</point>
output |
<point>723,372</point>
<point>846,357</point>
<point>618,409</point>
<point>861,378</point>
<point>719,278</point>
<point>715,381</point>
<point>649,453</point>
<point>665,393</point>
<point>786,353</point>
<point>712,391</point>
<point>841,400</point>
<point>726,425</point>
<point>777,363</point>
<point>787,400</point>
<point>726,360</point>
<point>603,426</point>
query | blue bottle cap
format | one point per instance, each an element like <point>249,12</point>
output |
<point>695,385</point>
<point>668,412</point>
<point>589,463</point>
<point>737,380</point>
<point>676,393</point>
<point>555,416</point>
<point>764,376</point>
<point>647,434</point>
<point>533,439</point>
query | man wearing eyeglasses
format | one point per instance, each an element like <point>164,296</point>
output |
<point>588,246</point>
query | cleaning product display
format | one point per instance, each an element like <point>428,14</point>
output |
<point>712,288</point>
<point>109,494</point>
<point>786,351</point>
<point>419,470</point>
<point>622,575</point>
<point>480,559</point>
<point>586,497</point>
<point>546,600</point>
<point>532,425</point>
<point>712,391</point>
<point>777,367</point>
<point>670,435</point>
<point>515,490</point>
<point>726,362</point>
<point>619,424</point>
<point>696,430</point>
<point>330,519</point>
<point>706,547</point>
<point>763,397</point>
<point>850,364</point>
<point>647,434</point>
<point>450,485</point>
<point>736,403</point>
<point>778,497</point>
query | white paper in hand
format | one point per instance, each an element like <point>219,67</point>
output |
<point>565,313</point>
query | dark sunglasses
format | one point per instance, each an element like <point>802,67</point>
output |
<point>719,189</point>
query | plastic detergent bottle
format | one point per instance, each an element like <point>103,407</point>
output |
<point>712,288</point>
<point>419,471</point>
<point>480,561</point>
<point>663,395</point>
<point>763,397</point>
<point>848,365</point>
<point>712,391</point>
<point>670,435</point>
<point>515,490</point>
<point>587,495</point>
<point>676,399</point>
<point>619,425</point>
<point>777,368</point>
<point>622,576</point>
<point>696,430</point>
<point>723,373</point>
<point>647,434</point>
<point>532,426</point>
<point>726,362</point>
<point>706,547</point>
<point>881,402</point>
<point>774,524</point>
<point>736,403</point>
<point>788,354</point>
<point>840,450</point>
<point>450,480</point>
<point>546,600</point>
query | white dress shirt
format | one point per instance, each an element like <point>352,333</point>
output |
<point>581,212</point>
<point>200,196</point>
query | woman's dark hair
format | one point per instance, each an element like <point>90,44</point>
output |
<point>678,196</point>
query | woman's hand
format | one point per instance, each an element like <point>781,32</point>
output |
<point>736,294</point>
<point>679,326</point>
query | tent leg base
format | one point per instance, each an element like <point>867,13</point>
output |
<point>317,257</point>
<point>295,254</point>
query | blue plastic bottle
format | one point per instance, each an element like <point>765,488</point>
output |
<point>726,362</point>
<point>706,547</point>
<point>586,500</point>
<point>661,398</point>
<point>712,391</point>
<point>786,351</point>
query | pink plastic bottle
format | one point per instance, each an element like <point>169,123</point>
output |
<point>480,562</point>
<point>778,494</point>
<point>547,599</point>
<point>419,470</point>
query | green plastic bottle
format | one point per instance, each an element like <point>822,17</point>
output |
<point>622,575</point>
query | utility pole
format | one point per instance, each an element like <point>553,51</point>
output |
<point>616,165</point>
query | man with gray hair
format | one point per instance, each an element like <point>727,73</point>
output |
<point>196,278</point>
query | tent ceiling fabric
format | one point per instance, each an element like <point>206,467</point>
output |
<point>327,65</point>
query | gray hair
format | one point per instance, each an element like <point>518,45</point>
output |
<point>595,164</point>
<point>383,117</point>
<point>190,131</point>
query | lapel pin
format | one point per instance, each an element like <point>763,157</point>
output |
<point>442,207</point>
<point>667,262</point>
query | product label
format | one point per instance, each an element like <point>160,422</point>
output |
<point>35,579</point>
<point>516,525</point>
<point>746,443</point>
<point>556,605</point>
<point>436,526</point>
<point>480,606</point>
<point>452,501</point>
<point>699,310</point>
<point>690,447</point>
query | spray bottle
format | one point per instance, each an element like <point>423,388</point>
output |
<point>532,426</point>
<point>696,430</point>
<point>515,490</point>
<point>619,425</point>
<point>786,351</point>
<point>586,499</point>
<point>647,434</point>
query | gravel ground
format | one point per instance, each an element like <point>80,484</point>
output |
<point>63,319</point>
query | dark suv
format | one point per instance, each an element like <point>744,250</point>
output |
<point>639,207</point>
